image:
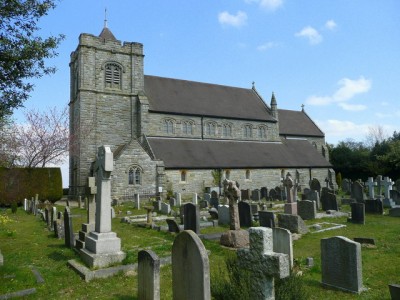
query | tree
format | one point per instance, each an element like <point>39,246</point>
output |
<point>41,141</point>
<point>22,52</point>
<point>8,143</point>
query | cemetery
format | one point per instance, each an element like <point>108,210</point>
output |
<point>157,249</point>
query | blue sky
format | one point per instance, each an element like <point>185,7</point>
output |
<point>340,58</point>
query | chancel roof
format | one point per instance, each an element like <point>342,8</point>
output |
<point>214,154</point>
<point>297,123</point>
<point>175,96</point>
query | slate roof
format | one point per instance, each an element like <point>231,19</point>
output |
<point>297,123</point>
<point>212,154</point>
<point>107,35</point>
<point>176,96</point>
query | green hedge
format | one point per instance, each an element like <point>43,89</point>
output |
<point>19,183</point>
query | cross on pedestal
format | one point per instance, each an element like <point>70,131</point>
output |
<point>379,182</point>
<point>232,193</point>
<point>263,263</point>
<point>288,184</point>
<point>387,186</point>
<point>371,187</point>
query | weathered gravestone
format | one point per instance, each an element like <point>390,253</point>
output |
<point>374,206</point>
<point>256,195</point>
<point>213,213</point>
<point>58,227</point>
<point>223,214</point>
<point>245,194</point>
<point>165,208</point>
<point>293,223</point>
<point>173,226</point>
<point>203,204</point>
<point>341,265</point>
<point>283,243</point>
<point>68,229</point>
<point>264,193</point>
<point>136,201</point>
<point>395,196</point>
<point>329,201</point>
<point>178,198</point>
<point>47,216</point>
<point>194,198</point>
<point>394,290</point>
<point>191,220</point>
<point>307,209</point>
<point>102,246</point>
<point>148,275</point>
<point>357,213</point>
<point>53,215</point>
<point>379,185</point>
<point>315,185</point>
<point>190,268</point>
<point>272,194</point>
<point>394,212</point>
<point>172,202</point>
<point>387,187</point>
<point>263,263</point>
<point>346,186</point>
<point>357,192</point>
<point>214,200</point>
<point>371,184</point>
<point>280,195</point>
<point>291,205</point>
<point>244,214</point>
<point>207,196</point>
<point>266,219</point>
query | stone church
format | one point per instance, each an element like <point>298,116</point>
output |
<point>177,135</point>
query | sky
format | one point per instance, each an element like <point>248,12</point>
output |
<point>338,58</point>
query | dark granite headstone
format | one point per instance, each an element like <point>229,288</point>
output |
<point>307,209</point>
<point>173,226</point>
<point>374,206</point>
<point>329,202</point>
<point>264,192</point>
<point>244,214</point>
<point>357,213</point>
<point>272,194</point>
<point>395,196</point>
<point>69,233</point>
<point>315,185</point>
<point>357,192</point>
<point>256,195</point>
<point>191,220</point>
<point>266,218</point>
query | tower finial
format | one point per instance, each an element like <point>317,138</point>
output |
<point>105,17</point>
<point>302,107</point>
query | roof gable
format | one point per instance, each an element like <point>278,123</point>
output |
<point>297,123</point>
<point>175,96</point>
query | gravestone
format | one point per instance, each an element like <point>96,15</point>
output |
<point>272,194</point>
<point>387,187</point>
<point>357,192</point>
<point>25,204</point>
<point>263,263</point>
<point>194,198</point>
<point>379,185</point>
<point>172,202</point>
<point>346,186</point>
<point>256,195</point>
<point>173,226</point>
<point>102,246</point>
<point>165,208</point>
<point>157,205</point>
<point>293,223</point>
<point>245,195</point>
<point>245,218</point>
<point>266,219</point>
<point>264,193</point>
<point>307,209</point>
<point>394,290</point>
<point>374,206</point>
<point>58,227</point>
<point>283,243</point>
<point>190,268</point>
<point>291,205</point>
<point>371,184</point>
<point>214,200</point>
<point>254,208</point>
<point>394,212</point>
<point>213,213</point>
<point>314,196</point>
<point>148,275</point>
<point>223,214</point>
<point>395,196</point>
<point>207,197</point>
<point>47,217</point>
<point>79,201</point>
<point>178,198</point>
<point>329,201</point>
<point>203,204</point>
<point>341,265</point>
<point>68,229</point>
<point>136,201</point>
<point>357,213</point>
<point>191,220</point>
<point>280,195</point>
<point>315,185</point>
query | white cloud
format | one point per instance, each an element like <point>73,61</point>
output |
<point>311,34</point>
<point>237,20</point>
<point>337,130</point>
<point>352,107</point>
<point>348,89</point>
<point>383,116</point>
<point>267,4</point>
<point>267,46</point>
<point>331,25</point>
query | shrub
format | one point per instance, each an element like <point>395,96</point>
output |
<point>291,288</point>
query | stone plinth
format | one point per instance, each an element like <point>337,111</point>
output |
<point>291,208</point>
<point>235,238</point>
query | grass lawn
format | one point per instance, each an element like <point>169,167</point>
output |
<point>25,242</point>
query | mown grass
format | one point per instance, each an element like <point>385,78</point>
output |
<point>26,242</point>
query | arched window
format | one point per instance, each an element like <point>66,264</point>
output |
<point>227,130</point>
<point>247,131</point>
<point>187,127</point>
<point>183,176</point>
<point>247,174</point>
<point>113,76</point>
<point>169,127</point>
<point>262,132</point>
<point>135,176</point>
<point>211,129</point>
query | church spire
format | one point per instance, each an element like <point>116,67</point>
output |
<point>106,34</point>
<point>274,107</point>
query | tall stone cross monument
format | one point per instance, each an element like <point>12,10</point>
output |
<point>102,246</point>
<point>291,205</point>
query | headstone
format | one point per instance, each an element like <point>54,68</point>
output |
<point>387,186</point>
<point>371,184</point>
<point>178,198</point>
<point>191,220</point>
<point>395,196</point>
<point>254,208</point>
<point>102,246</point>
<point>280,194</point>
<point>379,184</point>
<point>374,206</point>
<point>173,226</point>
<point>263,263</point>
<point>266,219</point>
<point>203,204</point>
<point>194,199</point>
<point>190,268</point>
<point>79,201</point>
<point>207,197</point>
<point>59,231</point>
<point>165,208</point>
<point>291,205</point>
<point>112,213</point>
<point>341,265</point>
<point>272,194</point>
<point>223,214</point>
<point>357,192</point>
<point>307,209</point>
<point>47,216</point>
<point>213,213</point>
<point>315,185</point>
<point>293,223</point>
<point>394,212</point>
<point>283,243</point>
<point>25,204</point>
<point>264,193</point>
<point>346,186</point>
<point>394,290</point>
<point>148,275</point>
<point>244,194</point>
<point>357,213</point>
<point>172,202</point>
<point>157,205</point>
<point>68,229</point>
<point>136,201</point>
<point>314,196</point>
<point>244,214</point>
<point>256,195</point>
<point>53,215</point>
<point>149,214</point>
<point>329,201</point>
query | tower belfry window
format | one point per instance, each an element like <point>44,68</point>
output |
<point>113,76</point>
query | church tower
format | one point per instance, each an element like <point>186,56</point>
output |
<point>106,80</point>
